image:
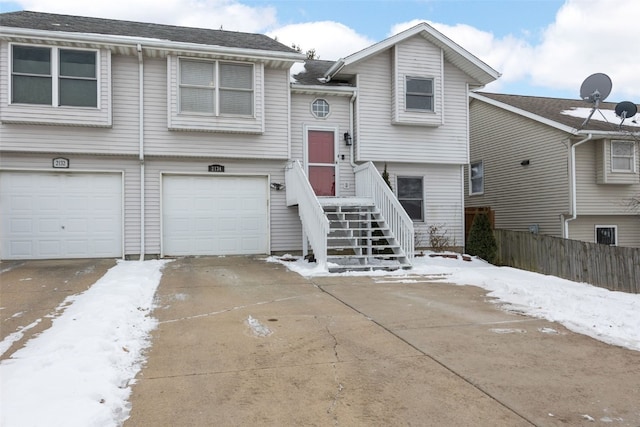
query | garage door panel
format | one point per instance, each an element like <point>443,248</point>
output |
<point>214,221</point>
<point>60,215</point>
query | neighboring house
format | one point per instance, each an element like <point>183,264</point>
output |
<point>541,168</point>
<point>122,139</point>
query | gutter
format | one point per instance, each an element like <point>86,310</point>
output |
<point>141,146</point>
<point>573,187</point>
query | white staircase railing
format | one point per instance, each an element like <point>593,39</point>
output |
<point>370,184</point>
<point>314,221</point>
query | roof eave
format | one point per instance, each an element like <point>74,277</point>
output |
<point>319,89</point>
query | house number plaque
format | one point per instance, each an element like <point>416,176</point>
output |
<point>216,168</point>
<point>61,163</point>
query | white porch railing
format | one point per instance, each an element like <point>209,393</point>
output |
<point>370,184</point>
<point>315,224</point>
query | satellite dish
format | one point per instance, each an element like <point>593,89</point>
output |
<point>626,109</point>
<point>596,88</point>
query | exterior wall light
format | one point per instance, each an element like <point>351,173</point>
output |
<point>347,138</point>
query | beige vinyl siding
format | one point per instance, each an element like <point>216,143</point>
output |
<point>520,195</point>
<point>594,198</point>
<point>286,232</point>
<point>443,198</point>
<point>604,173</point>
<point>338,120</point>
<point>583,228</point>
<point>380,140</point>
<point>17,113</point>
<point>121,138</point>
<point>130,167</point>
<point>415,58</point>
<point>159,140</point>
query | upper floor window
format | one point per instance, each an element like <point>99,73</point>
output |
<point>320,108</point>
<point>216,88</point>
<point>411,196</point>
<point>419,94</point>
<point>622,156</point>
<point>476,178</point>
<point>54,76</point>
<point>606,234</point>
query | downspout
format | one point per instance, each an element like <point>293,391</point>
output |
<point>573,186</point>
<point>141,147</point>
<point>352,126</point>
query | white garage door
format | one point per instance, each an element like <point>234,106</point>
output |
<point>60,215</point>
<point>214,215</point>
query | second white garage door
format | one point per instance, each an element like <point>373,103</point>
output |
<point>214,215</point>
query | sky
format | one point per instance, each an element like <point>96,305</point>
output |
<point>79,372</point>
<point>541,47</point>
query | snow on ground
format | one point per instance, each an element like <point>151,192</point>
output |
<point>611,317</point>
<point>79,371</point>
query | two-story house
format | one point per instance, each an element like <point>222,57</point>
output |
<point>122,139</point>
<point>549,166</point>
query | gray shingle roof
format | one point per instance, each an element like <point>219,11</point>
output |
<point>315,69</point>
<point>80,24</point>
<point>551,109</point>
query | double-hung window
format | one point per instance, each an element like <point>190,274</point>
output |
<point>419,94</point>
<point>622,156</point>
<point>476,178</point>
<point>411,196</point>
<point>54,76</point>
<point>216,88</point>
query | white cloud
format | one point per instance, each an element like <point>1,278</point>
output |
<point>331,40</point>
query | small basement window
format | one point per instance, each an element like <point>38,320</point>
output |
<point>607,234</point>
<point>411,196</point>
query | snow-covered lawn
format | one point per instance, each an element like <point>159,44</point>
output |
<point>79,372</point>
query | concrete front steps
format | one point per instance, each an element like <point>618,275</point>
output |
<point>359,238</point>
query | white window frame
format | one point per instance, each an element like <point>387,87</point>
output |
<point>481,177</point>
<point>632,157</point>
<point>317,112</point>
<point>615,234</point>
<point>422,198</point>
<point>55,75</point>
<point>216,88</point>
<point>431,95</point>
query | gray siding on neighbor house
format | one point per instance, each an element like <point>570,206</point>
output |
<point>121,138</point>
<point>130,167</point>
<point>285,225</point>
<point>594,198</point>
<point>520,195</point>
<point>159,140</point>
<point>380,140</point>
<point>443,198</point>
<point>338,121</point>
<point>583,228</point>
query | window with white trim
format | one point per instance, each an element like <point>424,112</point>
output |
<point>476,178</point>
<point>607,234</point>
<point>411,196</point>
<point>623,157</point>
<point>419,93</point>
<point>216,88</point>
<point>320,108</point>
<point>54,76</point>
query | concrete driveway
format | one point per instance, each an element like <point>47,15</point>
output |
<point>244,342</point>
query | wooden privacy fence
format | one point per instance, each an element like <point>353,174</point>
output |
<point>611,267</point>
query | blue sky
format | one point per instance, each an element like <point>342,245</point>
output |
<point>541,47</point>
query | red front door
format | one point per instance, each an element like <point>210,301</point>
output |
<point>322,162</point>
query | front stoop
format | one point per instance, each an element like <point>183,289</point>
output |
<point>359,238</point>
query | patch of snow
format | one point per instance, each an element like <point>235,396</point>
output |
<point>607,116</point>
<point>8,341</point>
<point>297,68</point>
<point>78,372</point>
<point>588,417</point>
<point>258,328</point>
<point>508,331</point>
